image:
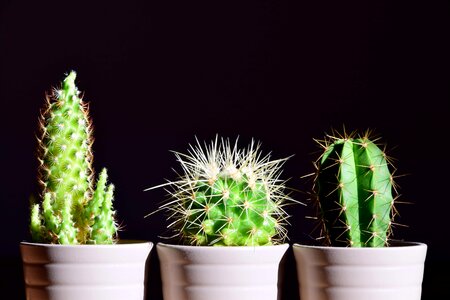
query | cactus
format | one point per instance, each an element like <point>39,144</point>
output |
<point>354,190</point>
<point>72,212</point>
<point>227,197</point>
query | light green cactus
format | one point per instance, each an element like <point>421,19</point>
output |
<point>72,212</point>
<point>227,197</point>
<point>354,189</point>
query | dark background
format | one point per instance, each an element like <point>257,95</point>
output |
<point>159,73</point>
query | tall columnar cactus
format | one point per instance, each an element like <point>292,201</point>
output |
<point>354,190</point>
<point>227,197</point>
<point>72,212</point>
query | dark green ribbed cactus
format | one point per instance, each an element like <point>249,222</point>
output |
<point>354,190</point>
<point>72,212</point>
<point>227,197</point>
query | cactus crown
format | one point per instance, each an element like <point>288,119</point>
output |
<point>354,191</point>
<point>71,212</point>
<point>227,196</point>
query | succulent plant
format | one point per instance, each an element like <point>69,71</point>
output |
<point>354,191</point>
<point>71,212</point>
<point>227,196</point>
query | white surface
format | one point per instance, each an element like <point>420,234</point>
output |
<point>339,273</point>
<point>85,272</point>
<point>220,273</point>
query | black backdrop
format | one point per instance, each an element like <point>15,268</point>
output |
<point>158,73</point>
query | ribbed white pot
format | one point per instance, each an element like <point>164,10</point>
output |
<point>85,272</point>
<point>220,273</point>
<point>339,273</point>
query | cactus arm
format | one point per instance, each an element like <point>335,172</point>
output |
<point>36,223</point>
<point>68,233</point>
<point>52,223</point>
<point>105,229</point>
<point>93,208</point>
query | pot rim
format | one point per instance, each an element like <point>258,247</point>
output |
<point>120,243</point>
<point>397,244</point>
<point>220,248</point>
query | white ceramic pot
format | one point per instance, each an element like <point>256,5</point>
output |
<point>87,272</point>
<point>339,273</point>
<point>220,273</point>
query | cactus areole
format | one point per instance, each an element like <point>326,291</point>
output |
<point>227,197</point>
<point>72,211</point>
<point>354,192</point>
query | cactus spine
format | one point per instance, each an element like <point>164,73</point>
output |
<point>227,197</point>
<point>71,211</point>
<point>354,191</point>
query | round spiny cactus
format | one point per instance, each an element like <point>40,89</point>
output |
<point>71,211</point>
<point>354,189</point>
<point>227,196</point>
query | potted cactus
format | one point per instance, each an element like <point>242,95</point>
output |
<point>355,194</point>
<point>226,209</point>
<point>75,252</point>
